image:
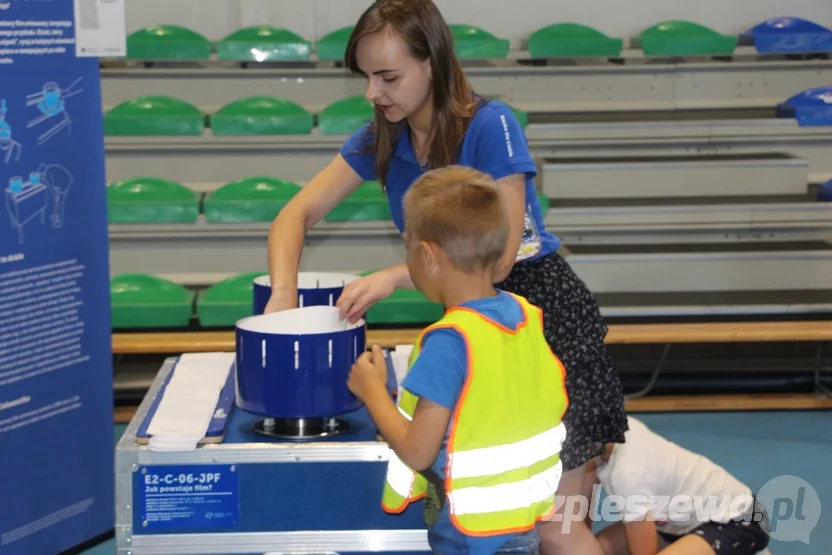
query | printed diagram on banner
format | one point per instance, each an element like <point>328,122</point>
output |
<point>51,103</point>
<point>28,199</point>
<point>10,149</point>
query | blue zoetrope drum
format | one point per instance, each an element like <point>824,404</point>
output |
<point>295,364</point>
<point>314,289</point>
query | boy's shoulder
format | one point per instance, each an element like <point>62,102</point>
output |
<point>501,308</point>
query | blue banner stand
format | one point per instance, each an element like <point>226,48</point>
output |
<point>56,386</point>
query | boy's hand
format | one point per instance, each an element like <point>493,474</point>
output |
<point>368,373</point>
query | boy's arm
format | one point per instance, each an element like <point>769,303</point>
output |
<point>642,537</point>
<point>436,378</point>
<point>416,442</point>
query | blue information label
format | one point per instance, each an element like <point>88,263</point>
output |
<point>183,497</point>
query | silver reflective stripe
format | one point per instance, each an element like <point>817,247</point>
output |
<point>399,476</point>
<point>505,497</point>
<point>489,461</point>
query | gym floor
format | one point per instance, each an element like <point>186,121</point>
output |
<point>755,446</point>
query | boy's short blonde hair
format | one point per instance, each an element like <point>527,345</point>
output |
<point>462,211</point>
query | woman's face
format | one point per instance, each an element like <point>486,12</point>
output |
<point>397,84</point>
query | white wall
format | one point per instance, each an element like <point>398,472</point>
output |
<point>620,18</point>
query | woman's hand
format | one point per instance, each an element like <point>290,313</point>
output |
<point>360,294</point>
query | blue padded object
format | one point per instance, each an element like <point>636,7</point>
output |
<point>825,192</point>
<point>295,363</point>
<point>812,107</point>
<point>790,35</point>
<point>314,289</point>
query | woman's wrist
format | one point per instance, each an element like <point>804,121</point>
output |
<point>283,285</point>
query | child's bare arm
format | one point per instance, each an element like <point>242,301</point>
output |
<point>417,442</point>
<point>642,537</point>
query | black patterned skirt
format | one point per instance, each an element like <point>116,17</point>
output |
<point>575,330</point>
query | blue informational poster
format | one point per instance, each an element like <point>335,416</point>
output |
<point>56,388</point>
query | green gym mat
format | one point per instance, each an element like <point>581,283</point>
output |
<point>167,42</point>
<point>154,115</point>
<point>227,302</point>
<point>146,200</point>
<point>263,43</point>
<point>262,115</point>
<point>251,199</point>
<point>367,203</point>
<point>147,301</point>
<point>473,42</point>
<point>334,45</point>
<point>572,40</point>
<point>685,38</point>
<point>345,116</point>
<point>404,306</point>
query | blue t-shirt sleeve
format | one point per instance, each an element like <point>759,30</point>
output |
<point>500,145</point>
<point>358,152</point>
<point>439,371</point>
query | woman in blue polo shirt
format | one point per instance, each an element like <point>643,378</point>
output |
<point>427,116</point>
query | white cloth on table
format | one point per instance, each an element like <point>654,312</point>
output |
<point>189,400</point>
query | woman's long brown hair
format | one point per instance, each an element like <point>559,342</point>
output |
<point>423,29</point>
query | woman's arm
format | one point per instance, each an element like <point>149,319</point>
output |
<point>514,192</point>
<point>289,228</point>
<point>502,151</point>
<point>401,276</point>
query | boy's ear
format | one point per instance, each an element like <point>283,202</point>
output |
<point>430,252</point>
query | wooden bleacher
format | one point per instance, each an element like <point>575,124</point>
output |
<point>199,341</point>
<point>173,343</point>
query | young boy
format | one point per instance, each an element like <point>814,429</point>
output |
<point>478,428</point>
<point>677,502</point>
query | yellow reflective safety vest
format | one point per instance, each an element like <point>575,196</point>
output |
<point>503,452</point>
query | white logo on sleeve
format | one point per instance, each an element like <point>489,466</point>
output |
<point>507,135</point>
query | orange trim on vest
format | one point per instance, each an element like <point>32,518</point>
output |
<point>524,307</point>
<point>462,396</point>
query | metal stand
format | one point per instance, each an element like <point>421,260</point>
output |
<point>301,428</point>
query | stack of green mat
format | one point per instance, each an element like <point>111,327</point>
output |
<point>146,301</point>
<point>251,199</point>
<point>151,200</point>
<point>227,302</point>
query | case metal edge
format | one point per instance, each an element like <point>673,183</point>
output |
<point>317,541</point>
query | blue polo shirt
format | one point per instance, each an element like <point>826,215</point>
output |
<point>494,144</point>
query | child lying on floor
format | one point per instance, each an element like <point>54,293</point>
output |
<point>674,502</point>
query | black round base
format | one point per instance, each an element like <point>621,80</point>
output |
<point>301,428</point>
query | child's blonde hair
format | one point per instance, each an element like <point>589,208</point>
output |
<point>461,210</point>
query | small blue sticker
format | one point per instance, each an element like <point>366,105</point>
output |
<point>187,497</point>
